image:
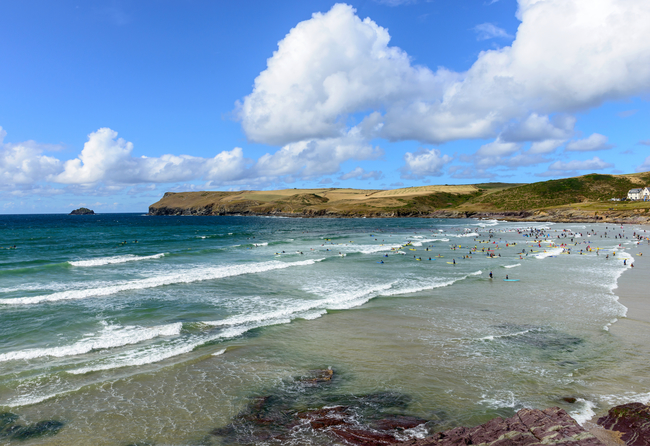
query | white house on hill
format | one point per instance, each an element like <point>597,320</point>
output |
<point>639,194</point>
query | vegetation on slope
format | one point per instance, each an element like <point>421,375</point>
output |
<point>592,187</point>
<point>582,193</point>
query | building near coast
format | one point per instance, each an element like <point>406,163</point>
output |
<point>640,193</point>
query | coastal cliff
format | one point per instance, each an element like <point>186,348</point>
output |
<point>581,199</point>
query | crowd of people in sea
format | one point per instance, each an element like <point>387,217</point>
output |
<point>539,241</point>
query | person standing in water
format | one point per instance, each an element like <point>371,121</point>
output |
<point>490,274</point>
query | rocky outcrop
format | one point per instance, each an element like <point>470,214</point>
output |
<point>82,211</point>
<point>307,407</point>
<point>565,215</point>
<point>527,427</point>
<point>631,422</point>
<point>11,429</point>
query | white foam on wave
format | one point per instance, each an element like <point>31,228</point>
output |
<point>585,412</point>
<point>626,256</point>
<point>512,266</point>
<point>365,249</point>
<point>467,234</point>
<point>399,287</point>
<point>339,300</point>
<point>158,352</point>
<point>628,397</point>
<point>509,335</point>
<point>110,337</point>
<point>487,223</point>
<point>343,300</point>
<point>256,318</point>
<point>420,242</point>
<point>187,276</point>
<point>549,253</point>
<point>505,398</point>
<point>113,260</point>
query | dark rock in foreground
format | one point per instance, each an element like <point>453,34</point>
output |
<point>9,428</point>
<point>82,211</point>
<point>527,427</point>
<point>307,408</point>
<point>631,420</point>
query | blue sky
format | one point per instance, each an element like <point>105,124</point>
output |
<point>108,104</point>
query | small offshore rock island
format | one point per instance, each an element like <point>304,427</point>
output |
<point>82,211</point>
<point>587,198</point>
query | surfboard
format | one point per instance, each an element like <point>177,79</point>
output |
<point>451,263</point>
<point>511,280</point>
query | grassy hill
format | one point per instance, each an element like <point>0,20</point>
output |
<point>554,193</point>
<point>586,194</point>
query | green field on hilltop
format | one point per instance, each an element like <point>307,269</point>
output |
<point>554,193</point>
<point>589,193</point>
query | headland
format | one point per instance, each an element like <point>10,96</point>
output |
<point>589,198</point>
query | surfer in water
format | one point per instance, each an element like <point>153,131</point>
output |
<point>490,274</point>
<point>507,277</point>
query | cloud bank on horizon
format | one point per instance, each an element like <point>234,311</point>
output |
<point>336,91</point>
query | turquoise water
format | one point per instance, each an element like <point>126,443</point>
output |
<point>129,328</point>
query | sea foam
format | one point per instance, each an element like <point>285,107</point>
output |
<point>110,337</point>
<point>158,352</point>
<point>549,253</point>
<point>188,276</point>
<point>113,260</point>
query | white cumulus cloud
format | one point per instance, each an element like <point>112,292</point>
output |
<point>24,164</point>
<point>361,174</point>
<point>486,31</point>
<point>567,55</point>
<point>594,142</point>
<point>424,163</point>
<point>593,164</point>
<point>547,146</point>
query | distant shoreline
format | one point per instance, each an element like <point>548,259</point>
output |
<point>550,216</point>
<point>587,199</point>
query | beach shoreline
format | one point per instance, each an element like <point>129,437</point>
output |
<point>634,328</point>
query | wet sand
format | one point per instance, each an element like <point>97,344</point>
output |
<point>634,293</point>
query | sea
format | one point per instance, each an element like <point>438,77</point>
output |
<point>127,329</point>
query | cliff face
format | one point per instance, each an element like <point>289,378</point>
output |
<point>316,203</point>
<point>553,215</point>
<point>516,203</point>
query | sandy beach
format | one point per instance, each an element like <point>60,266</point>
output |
<point>634,291</point>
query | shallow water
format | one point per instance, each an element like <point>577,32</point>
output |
<point>164,340</point>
